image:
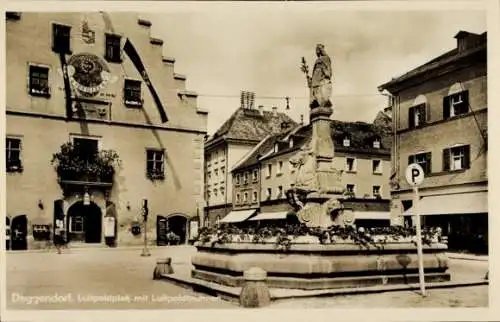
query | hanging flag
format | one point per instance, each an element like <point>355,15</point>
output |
<point>136,60</point>
<point>67,88</point>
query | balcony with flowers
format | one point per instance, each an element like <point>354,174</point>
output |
<point>75,165</point>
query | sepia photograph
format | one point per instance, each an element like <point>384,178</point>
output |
<point>246,156</point>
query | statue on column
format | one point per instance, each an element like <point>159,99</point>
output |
<point>320,82</point>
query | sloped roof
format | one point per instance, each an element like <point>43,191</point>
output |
<point>361,135</point>
<point>249,124</point>
<point>445,58</point>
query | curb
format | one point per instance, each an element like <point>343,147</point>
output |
<point>468,257</point>
<point>83,249</point>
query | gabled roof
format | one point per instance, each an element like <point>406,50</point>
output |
<point>251,125</point>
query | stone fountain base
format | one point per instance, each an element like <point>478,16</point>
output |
<point>318,267</point>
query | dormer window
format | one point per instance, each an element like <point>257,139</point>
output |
<point>290,143</point>
<point>276,147</point>
<point>376,143</point>
<point>347,141</point>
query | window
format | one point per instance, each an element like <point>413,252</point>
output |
<point>237,179</point>
<point>456,158</point>
<point>276,147</point>
<point>417,116</point>
<point>13,155</point>
<point>350,164</point>
<point>269,170</point>
<point>255,175</point>
<point>423,159</point>
<point>290,143</point>
<point>279,192</point>
<point>291,166</point>
<point>347,141</point>
<point>237,198</point>
<point>245,177</point>
<point>76,224</point>
<point>280,167</point>
<point>216,173</point>
<point>155,163</point>
<point>455,104</point>
<point>215,192</point>
<point>86,148</point>
<point>221,191</point>
<point>376,143</point>
<point>209,175</point>
<point>376,191</point>
<point>377,166</point>
<point>254,196</point>
<point>350,189</point>
<point>209,193</point>
<point>269,193</point>
<point>39,81</point>
<point>61,38</point>
<point>113,48</point>
<point>223,170</point>
<point>245,197</point>
<point>132,93</point>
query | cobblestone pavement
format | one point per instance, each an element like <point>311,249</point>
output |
<point>79,273</point>
<point>127,277</point>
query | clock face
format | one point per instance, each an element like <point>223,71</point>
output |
<point>88,73</point>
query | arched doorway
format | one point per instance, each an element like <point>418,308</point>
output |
<point>176,227</point>
<point>19,231</point>
<point>84,223</point>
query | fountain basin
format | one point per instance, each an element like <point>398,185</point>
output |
<point>314,266</point>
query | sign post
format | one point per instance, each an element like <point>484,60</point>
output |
<point>415,177</point>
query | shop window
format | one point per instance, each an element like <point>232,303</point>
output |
<point>113,48</point>
<point>61,38</point>
<point>13,155</point>
<point>39,80</point>
<point>132,93</point>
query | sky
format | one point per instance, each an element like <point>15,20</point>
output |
<point>252,48</point>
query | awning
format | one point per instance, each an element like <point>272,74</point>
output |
<point>460,203</point>
<point>381,215</point>
<point>238,216</point>
<point>270,216</point>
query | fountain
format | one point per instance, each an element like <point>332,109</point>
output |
<point>326,251</point>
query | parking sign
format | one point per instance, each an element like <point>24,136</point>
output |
<point>414,174</point>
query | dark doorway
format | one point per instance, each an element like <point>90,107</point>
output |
<point>19,231</point>
<point>161,231</point>
<point>84,223</point>
<point>176,224</point>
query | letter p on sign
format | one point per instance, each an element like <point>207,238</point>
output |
<point>414,174</point>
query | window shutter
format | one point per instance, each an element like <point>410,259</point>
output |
<point>428,162</point>
<point>427,108</point>
<point>465,98</point>
<point>466,164</point>
<point>411,159</point>
<point>446,107</point>
<point>411,118</point>
<point>446,159</point>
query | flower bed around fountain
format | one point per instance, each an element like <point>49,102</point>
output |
<point>299,257</point>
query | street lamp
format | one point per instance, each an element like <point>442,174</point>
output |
<point>145,210</point>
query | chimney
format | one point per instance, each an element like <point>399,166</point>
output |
<point>261,109</point>
<point>275,111</point>
<point>467,40</point>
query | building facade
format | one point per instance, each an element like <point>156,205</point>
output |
<point>362,151</point>
<point>246,127</point>
<point>93,94</point>
<point>440,122</point>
